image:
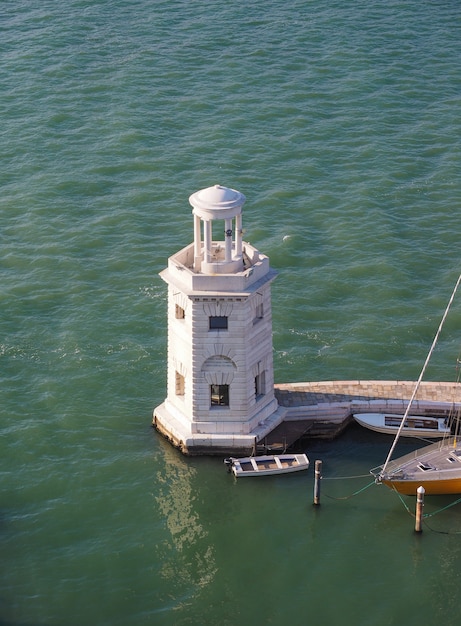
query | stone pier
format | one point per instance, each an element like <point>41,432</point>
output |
<point>323,409</point>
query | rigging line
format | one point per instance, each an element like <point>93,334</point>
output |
<point>415,390</point>
<point>452,419</point>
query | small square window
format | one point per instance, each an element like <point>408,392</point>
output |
<point>218,322</point>
<point>179,312</point>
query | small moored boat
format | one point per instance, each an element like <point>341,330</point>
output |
<point>267,464</point>
<point>413,426</point>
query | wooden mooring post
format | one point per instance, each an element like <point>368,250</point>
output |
<point>419,509</point>
<point>317,479</point>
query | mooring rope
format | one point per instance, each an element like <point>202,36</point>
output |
<point>427,515</point>
<point>442,532</point>
<point>356,493</point>
<point>444,508</point>
<point>345,477</point>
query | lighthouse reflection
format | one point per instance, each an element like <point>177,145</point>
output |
<point>186,557</point>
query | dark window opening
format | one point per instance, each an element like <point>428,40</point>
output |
<point>218,322</point>
<point>260,384</point>
<point>219,395</point>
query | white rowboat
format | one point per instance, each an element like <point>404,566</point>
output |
<point>267,465</point>
<point>414,425</point>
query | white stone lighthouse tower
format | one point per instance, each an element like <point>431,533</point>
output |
<point>220,396</point>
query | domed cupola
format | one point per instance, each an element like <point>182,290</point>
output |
<point>209,205</point>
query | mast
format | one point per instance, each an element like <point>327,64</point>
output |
<point>415,390</point>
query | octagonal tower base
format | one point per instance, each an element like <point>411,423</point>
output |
<point>220,381</point>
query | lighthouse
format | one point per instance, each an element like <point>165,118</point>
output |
<point>220,381</point>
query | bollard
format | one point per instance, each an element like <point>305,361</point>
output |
<point>419,509</point>
<point>317,478</point>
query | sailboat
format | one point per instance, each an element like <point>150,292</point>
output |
<point>436,467</point>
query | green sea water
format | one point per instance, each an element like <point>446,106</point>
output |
<point>340,123</point>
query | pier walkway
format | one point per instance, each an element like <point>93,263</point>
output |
<point>324,409</point>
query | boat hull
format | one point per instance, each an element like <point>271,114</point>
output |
<point>436,467</point>
<point>437,487</point>
<point>268,465</point>
<point>415,426</point>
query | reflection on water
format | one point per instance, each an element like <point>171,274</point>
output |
<point>188,558</point>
